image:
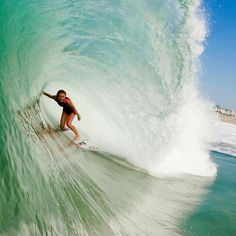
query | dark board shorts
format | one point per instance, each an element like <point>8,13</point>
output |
<point>67,110</point>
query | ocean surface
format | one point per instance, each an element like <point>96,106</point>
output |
<point>131,69</point>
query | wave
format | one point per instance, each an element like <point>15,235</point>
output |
<point>131,68</point>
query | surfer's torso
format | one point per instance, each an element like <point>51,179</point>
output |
<point>66,105</point>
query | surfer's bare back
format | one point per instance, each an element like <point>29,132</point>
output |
<point>68,113</point>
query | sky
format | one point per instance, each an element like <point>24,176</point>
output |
<point>218,73</point>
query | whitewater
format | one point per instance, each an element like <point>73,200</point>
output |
<point>131,69</point>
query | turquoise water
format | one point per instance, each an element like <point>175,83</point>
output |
<point>131,67</point>
<point>217,213</point>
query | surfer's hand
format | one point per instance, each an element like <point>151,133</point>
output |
<point>78,116</point>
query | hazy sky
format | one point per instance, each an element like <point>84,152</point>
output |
<point>218,77</point>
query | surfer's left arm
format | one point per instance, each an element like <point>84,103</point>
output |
<point>49,95</point>
<point>74,109</point>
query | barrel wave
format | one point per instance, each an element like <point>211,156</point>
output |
<point>131,67</point>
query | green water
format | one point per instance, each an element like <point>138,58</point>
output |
<point>217,213</point>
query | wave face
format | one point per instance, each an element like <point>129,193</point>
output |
<point>132,67</point>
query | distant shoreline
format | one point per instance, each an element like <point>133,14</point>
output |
<point>227,119</point>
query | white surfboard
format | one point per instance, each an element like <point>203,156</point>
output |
<point>82,142</point>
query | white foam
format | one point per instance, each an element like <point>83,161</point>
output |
<point>225,138</point>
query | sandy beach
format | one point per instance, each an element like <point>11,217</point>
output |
<point>227,119</point>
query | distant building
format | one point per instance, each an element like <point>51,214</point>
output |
<point>224,111</point>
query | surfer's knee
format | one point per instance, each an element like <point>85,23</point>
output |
<point>69,125</point>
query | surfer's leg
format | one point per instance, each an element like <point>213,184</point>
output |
<point>72,127</point>
<point>64,118</point>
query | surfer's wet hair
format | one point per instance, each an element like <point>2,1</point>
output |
<point>61,91</point>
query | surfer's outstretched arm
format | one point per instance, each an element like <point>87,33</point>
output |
<point>49,95</point>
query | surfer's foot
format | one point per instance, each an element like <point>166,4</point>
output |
<point>76,138</point>
<point>64,129</point>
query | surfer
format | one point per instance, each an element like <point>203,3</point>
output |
<point>68,113</point>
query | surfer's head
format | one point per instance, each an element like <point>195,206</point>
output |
<point>61,95</point>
